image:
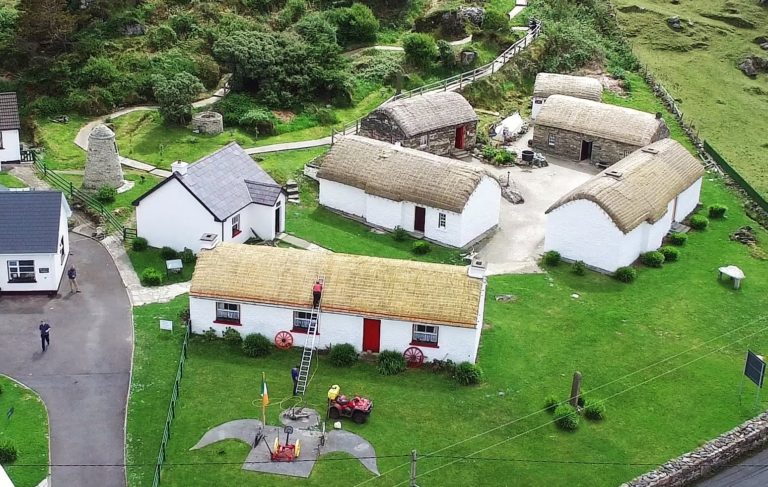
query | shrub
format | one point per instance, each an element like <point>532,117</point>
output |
<point>495,21</point>
<point>184,315</point>
<point>550,403</point>
<point>256,345</point>
<point>566,417</point>
<point>326,116</point>
<point>343,355</point>
<point>468,374</point>
<point>161,37</point>
<point>175,95</point>
<point>232,336</point>
<point>594,410</point>
<point>579,268</point>
<point>390,363</point>
<point>653,258</point>
<point>503,156</point>
<point>139,244</point>
<point>355,24</point>
<point>551,258</point>
<point>447,56</point>
<point>151,277</point>
<point>187,256</point>
<point>678,239</point>
<point>8,453</point>
<point>399,234</point>
<point>106,194</point>
<point>420,247</point>
<point>699,222</point>
<point>671,254</point>
<point>625,274</point>
<point>168,253</point>
<point>210,334</point>
<point>717,211</point>
<point>420,49</point>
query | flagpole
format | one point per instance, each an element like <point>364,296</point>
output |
<point>263,402</point>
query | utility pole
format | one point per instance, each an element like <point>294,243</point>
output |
<point>412,482</point>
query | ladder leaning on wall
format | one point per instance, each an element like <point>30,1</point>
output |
<point>309,343</point>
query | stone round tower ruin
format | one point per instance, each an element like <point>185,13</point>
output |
<point>102,162</point>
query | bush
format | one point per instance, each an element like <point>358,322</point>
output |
<point>550,403</point>
<point>566,417</point>
<point>420,49</point>
<point>355,24</point>
<point>390,363</point>
<point>161,37</point>
<point>343,355</point>
<point>326,116</point>
<point>699,222</point>
<point>256,345</point>
<point>187,256</point>
<point>678,239</point>
<point>106,194</point>
<point>653,258</point>
<point>495,22</point>
<point>468,374</point>
<point>168,253</point>
<point>625,274</point>
<point>717,211</point>
<point>210,334</point>
<point>420,247</point>
<point>551,258</point>
<point>139,244</point>
<point>399,234</point>
<point>151,277</point>
<point>8,453</point>
<point>445,51</point>
<point>579,268</point>
<point>594,410</point>
<point>184,315</point>
<point>232,336</point>
<point>671,254</point>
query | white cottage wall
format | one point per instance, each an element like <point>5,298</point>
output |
<point>47,281</point>
<point>261,219</point>
<point>247,219</point>
<point>481,213</point>
<point>451,234</point>
<point>687,201</point>
<point>59,261</point>
<point>386,213</point>
<point>10,150</point>
<point>342,197</point>
<point>536,105</point>
<point>653,234</point>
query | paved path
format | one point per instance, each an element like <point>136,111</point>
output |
<point>300,243</point>
<point>83,377</point>
<point>304,144</point>
<point>742,476</point>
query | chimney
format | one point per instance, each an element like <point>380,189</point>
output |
<point>658,115</point>
<point>208,241</point>
<point>477,269</point>
<point>180,167</point>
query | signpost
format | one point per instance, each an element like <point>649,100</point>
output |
<point>166,325</point>
<point>754,369</point>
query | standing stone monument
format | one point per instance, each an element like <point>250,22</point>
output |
<point>102,162</point>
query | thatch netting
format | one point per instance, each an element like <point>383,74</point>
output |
<point>548,84</point>
<point>600,120</point>
<point>367,286</point>
<point>401,174</point>
<point>425,113</point>
<point>642,184</point>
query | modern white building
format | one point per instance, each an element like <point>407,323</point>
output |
<point>223,197</point>
<point>34,240</point>
<point>387,186</point>
<point>548,84</point>
<point>627,209</point>
<point>10,146</point>
<point>372,303</point>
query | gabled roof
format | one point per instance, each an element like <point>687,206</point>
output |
<point>600,120</point>
<point>225,182</point>
<point>370,286</point>
<point>400,174</point>
<point>425,113</point>
<point>548,84</point>
<point>639,187</point>
<point>9,112</point>
<point>29,221</point>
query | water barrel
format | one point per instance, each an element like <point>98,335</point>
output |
<point>527,155</point>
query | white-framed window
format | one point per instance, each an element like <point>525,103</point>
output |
<point>21,271</point>
<point>627,152</point>
<point>301,321</point>
<point>551,139</point>
<point>425,334</point>
<point>235,225</point>
<point>441,220</point>
<point>229,312</point>
<point>424,140</point>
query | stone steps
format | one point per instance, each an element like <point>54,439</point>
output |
<point>292,188</point>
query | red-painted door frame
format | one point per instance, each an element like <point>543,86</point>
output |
<point>371,335</point>
<point>461,133</point>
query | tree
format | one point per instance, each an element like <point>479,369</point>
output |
<point>447,56</point>
<point>45,25</point>
<point>420,49</point>
<point>175,95</point>
<point>495,22</point>
<point>355,24</point>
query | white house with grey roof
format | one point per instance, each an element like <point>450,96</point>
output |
<point>10,147</point>
<point>387,186</point>
<point>34,240</point>
<point>223,197</point>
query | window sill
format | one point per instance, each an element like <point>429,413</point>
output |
<point>424,344</point>
<point>227,322</point>
<point>302,331</point>
<point>235,234</point>
<point>23,281</point>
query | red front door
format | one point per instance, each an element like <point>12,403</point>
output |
<point>371,335</point>
<point>419,219</point>
<point>460,136</point>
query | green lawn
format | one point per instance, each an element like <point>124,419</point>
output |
<point>58,140</point>
<point>26,429</point>
<point>152,258</point>
<point>9,181</point>
<point>286,165</point>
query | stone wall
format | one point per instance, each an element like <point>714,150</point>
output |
<point>380,127</point>
<point>568,145</point>
<point>441,142</point>
<point>722,451</point>
<point>210,123</point>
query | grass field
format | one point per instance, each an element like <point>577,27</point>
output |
<point>59,142</point>
<point>699,65</point>
<point>9,181</point>
<point>152,258</point>
<point>26,429</point>
<point>286,165</point>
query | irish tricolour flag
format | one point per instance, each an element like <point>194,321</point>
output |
<point>264,393</point>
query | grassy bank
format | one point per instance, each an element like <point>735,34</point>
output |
<point>9,181</point>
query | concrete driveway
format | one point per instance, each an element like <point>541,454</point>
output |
<point>83,377</point>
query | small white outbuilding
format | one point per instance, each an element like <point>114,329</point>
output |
<point>10,148</point>
<point>548,84</point>
<point>627,209</point>
<point>387,186</point>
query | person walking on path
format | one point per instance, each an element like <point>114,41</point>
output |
<point>45,330</point>
<point>72,275</point>
<point>295,377</point>
<point>317,291</point>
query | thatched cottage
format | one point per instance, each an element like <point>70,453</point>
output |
<point>581,130</point>
<point>441,123</point>
<point>10,149</point>
<point>548,84</point>
<point>627,209</point>
<point>372,303</point>
<point>386,186</point>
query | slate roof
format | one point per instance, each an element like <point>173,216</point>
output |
<point>426,113</point>
<point>9,112</point>
<point>29,221</point>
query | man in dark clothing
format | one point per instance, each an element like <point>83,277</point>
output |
<point>317,291</point>
<point>295,377</point>
<point>45,329</point>
<point>72,275</point>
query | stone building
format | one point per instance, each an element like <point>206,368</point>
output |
<point>209,123</point>
<point>102,161</point>
<point>548,84</point>
<point>585,130</point>
<point>441,123</point>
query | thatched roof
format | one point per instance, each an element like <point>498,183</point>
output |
<point>600,120</point>
<point>354,284</point>
<point>639,187</point>
<point>548,84</point>
<point>426,113</point>
<point>400,174</point>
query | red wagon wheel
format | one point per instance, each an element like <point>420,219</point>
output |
<point>284,340</point>
<point>414,356</point>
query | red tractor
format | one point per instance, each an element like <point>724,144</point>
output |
<point>357,408</point>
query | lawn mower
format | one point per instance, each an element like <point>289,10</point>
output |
<point>285,452</point>
<point>357,408</point>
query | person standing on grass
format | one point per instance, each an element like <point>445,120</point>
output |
<point>45,330</point>
<point>72,275</point>
<point>295,377</point>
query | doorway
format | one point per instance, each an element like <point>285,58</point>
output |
<point>461,133</point>
<point>371,335</point>
<point>278,219</point>
<point>419,219</point>
<point>586,150</point>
